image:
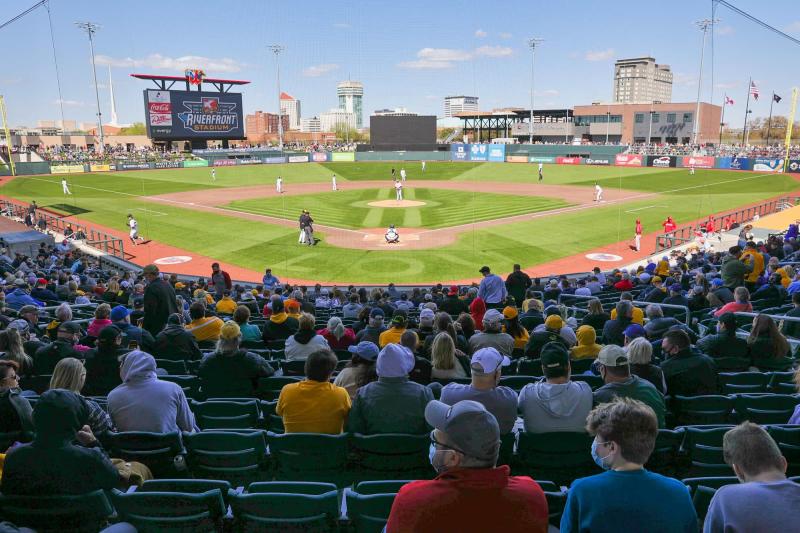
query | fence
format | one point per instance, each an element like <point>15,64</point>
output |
<point>99,240</point>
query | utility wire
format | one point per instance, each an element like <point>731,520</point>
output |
<point>55,62</point>
<point>14,19</point>
<point>760,22</point>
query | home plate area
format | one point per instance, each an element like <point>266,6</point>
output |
<point>376,237</point>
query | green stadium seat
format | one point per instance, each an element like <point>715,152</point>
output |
<point>703,445</point>
<point>7,439</point>
<point>698,410</point>
<point>529,367</point>
<point>309,457</point>
<point>595,382</point>
<point>193,486</point>
<point>156,450</point>
<point>518,382</point>
<point>560,456</point>
<point>293,368</point>
<point>788,440</point>
<point>283,506</point>
<point>270,388</point>
<point>175,368</point>
<point>765,408</point>
<point>170,512</point>
<point>369,503</point>
<point>237,457</point>
<point>782,383</point>
<point>189,384</point>
<point>732,364</point>
<point>506,455</point>
<point>79,513</point>
<point>579,366</point>
<point>226,414</point>
<point>390,456</point>
<point>556,501</point>
<point>666,458</point>
<point>743,382</point>
<point>37,384</point>
<point>254,345</point>
<point>702,490</point>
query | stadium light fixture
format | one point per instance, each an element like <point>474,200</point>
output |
<point>533,42</point>
<point>704,25</point>
<point>277,49</point>
<point>90,28</point>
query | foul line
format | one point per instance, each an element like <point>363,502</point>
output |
<point>643,208</point>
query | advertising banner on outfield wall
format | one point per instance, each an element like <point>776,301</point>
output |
<point>628,160</point>
<point>541,159</point>
<point>273,160</point>
<point>568,160</point>
<point>66,169</point>
<point>319,157</point>
<point>478,152</point>
<point>597,161</point>
<point>768,165</point>
<point>133,166</point>
<point>343,156</point>
<point>735,163</point>
<point>298,159</point>
<point>516,158</point>
<point>662,161</point>
<point>248,161</point>
<point>169,164</point>
<point>698,161</point>
<point>793,166</point>
<point>195,163</point>
<point>100,167</point>
<point>224,162</point>
<point>497,153</point>
<point>459,152</point>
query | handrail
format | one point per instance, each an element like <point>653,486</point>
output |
<point>682,308</point>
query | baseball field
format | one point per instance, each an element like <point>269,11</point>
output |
<point>454,218</point>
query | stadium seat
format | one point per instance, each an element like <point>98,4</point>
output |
<point>369,503</point>
<point>506,455</point>
<point>743,382</point>
<point>698,410</point>
<point>286,506</point>
<point>9,438</point>
<point>194,486</point>
<point>529,367</point>
<point>518,382</point>
<point>237,457</point>
<point>556,500</point>
<point>226,414</point>
<point>703,444</point>
<point>781,364</point>
<point>37,384</point>
<point>293,368</point>
<point>253,345</point>
<point>167,512</point>
<point>666,458</point>
<point>702,490</point>
<point>782,383</point>
<point>175,368</point>
<point>189,384</point>
<point>559,456</point>
<point>595,382</point>
<point>390,456</point>
<point>270,388</point>
<point>732,364</point>
<point>788,440</point>
<point>579,366</point>
<point>158,451</point>
<point>79,513</point>
<point>765,408</point>
<point>309,457</point>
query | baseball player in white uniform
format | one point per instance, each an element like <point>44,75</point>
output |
<point>403,174</point>
<point>333,183</point>
<point>213,174</point>
<point>65,186</point>
<point>398,190</point>
<point>134,226</point>
<point>691,170</point>
<point>423,167</point>
<point>279,185</point>
<point>598,192</point>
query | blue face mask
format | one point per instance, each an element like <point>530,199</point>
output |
<point>432,453</point>
<point>600,461</point>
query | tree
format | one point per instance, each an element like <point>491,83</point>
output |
<point>347,133</point>
<point>137,128</point>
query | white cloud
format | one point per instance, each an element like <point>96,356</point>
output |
<point>480,34</point>
<point>793,27</point>
<point>425,64</point>
<point>69,103</point>
<point>342,25</point>
<point>315,71</point>
<point>505,35</point>
<point>725,30</point>
<point>443,54</point>
<point>494,51</point>
<point>158,61</point>
<point>599,55</point>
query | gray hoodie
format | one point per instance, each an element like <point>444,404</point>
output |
<point>547,407</point>
<point>145,403</point>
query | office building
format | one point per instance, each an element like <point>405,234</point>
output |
<point>640,80</point>
<point>351,96</point>
<point>260,123</point>
<point>335,117</point>
<point>310,125</point>
<point>459,104</point>
<point>290,106</point>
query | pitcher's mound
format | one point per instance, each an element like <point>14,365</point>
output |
<point>396,203</point>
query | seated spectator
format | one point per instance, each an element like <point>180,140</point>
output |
<point>12,349</point>
<point>492,335</point>
<point>551,333</point>
<point>392,404</point>
<point>614,330</point>
<point>280,325</point>
<point>395,331</point>
<point>587,347</point>
<point>625,434</point>
<point>466,444</point>
<point>477,308</point>
<point>63,314</point>
<point>676,296</point>
<point>293,308</point>
<point>204,328</point>
<point>772,293</point>
<point>624,284</point>
<point>640,356</point>
<point>596,317</point>
<point>768,348</point>
<point>314,405</point>
<point>52,464</point>
<point>42,293</point>
<point>360,370</point>
<point>532,313</point>
<point>724,343</point>
<point>30,314</point>
<point>425,329</point>
<point>567,332</point>
<point>452,304</point>
<point>102,318</point>
<point>352,307</point>
<point>175,343</point>
<point>615,370</point>
<point>15,410</point>
<point>145,403</point>
<point>633,331</point>
<point>20,296</point>
<point>226,305</point>
<point>447,362</point>
<point>657,323</point>
<point>719,294</point>
<point>687,373</point>
<point>338,336</point>
<point>250,332</point>
<point>121,318</point>
<point>231,372</point>
<point>102,363</point>
<point>372,331</point>
<point>486,366</point>
<point>761,468</point>
<point>557,403</point>
<point>637,315</point>
<point>70,375</point>
<point>306,341</point>
<point>741,303</point>
<point>514,328</point>
<point>792,329</point>
<point>64,346</point>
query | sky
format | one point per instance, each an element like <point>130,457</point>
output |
<point>407,53</point>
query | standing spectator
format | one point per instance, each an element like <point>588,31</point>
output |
<point>557,403</point>
<point>733,270</point>
<point>338,336</point>
<point>269,280</point>
<point>754,260</point>
<point>492,290</point>
<point>175,343</point>
<point>360,370</point>
<point>314,405</point>
<point>517,283</point>
<point>220,281</point>
<point>625,433</point>
<point>761,468</point>
<point>687,373</point>
<point>640,356</point>
<point>466,444</point>
<point>492,335</point>
<point>724,343</point>
<point>305,341</point>
<point>231,372</point>
<point>159,301</point>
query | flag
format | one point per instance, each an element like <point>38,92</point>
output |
<point>728,100</point>
<point>754,89</point>
<point>776,98</point>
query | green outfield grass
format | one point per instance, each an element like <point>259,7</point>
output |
<point>350,209</point>
<point>108,197</point>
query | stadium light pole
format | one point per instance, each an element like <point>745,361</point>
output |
<point>704,25</point>
<point>532,43</point>
<point>277,49</point>
<point>90,28</point>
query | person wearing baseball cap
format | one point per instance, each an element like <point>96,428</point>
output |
<point>393,403</point>
<point>492,290</point>
<point>615,370</point>
<point>372,331</point>
<point>633,331</point>
<point>452,304</point>
<point>487,366</point>
<point>360,370</point>
<point>656,293</point>
<point>395,331</point>
<point>159,301</point>
<point>425,329</point>
<point>46,357</point>
<point>42,293</point>
<point>121,317</point>
<point>557,403</point>
<point>551,332</point>
<point>676,296</point>
<point>492,335</point>
<point>469,494</point>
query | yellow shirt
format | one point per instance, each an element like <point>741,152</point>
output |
<point>637,318</point>
<point>226,306</point>
<point>313,407</point>
<point>206,328</point>
<point>391,335</point>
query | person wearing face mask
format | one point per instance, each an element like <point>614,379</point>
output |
<point>688,373</point>
<point>469,494</point>
<point>626,497</point>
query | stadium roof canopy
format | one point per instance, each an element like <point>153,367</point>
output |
<point>162,82</point>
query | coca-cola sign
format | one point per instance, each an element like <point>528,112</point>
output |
<point>160,107</point>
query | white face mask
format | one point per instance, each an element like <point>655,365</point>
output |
<point>433,453</point>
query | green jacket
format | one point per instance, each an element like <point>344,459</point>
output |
<point>636,388</point>
<point>733,272</point>
<point>390,405</point>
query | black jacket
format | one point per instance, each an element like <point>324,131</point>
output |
<point>232,376</point>
<point>141,336</point>
<point>690,374</point>
<point>614,331</point>
<point>102,371</point>
<point>279,331</point>
<point>534,347</point>
<point>452,305</point>
<point>723,345</point>
<point>177,344</point>
<point>48,356</point>
<point>159,303</point>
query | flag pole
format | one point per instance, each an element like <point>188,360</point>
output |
<point>746,110</point>
<point>722,120</point>
<point>769,122</point>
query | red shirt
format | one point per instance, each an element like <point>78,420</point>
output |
<point>466,500</point>
<point>710,226</point>
<point>638,228</point>
<point>623,285</point>
<point>669,225</point>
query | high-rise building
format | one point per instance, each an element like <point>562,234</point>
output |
<point>310,125</point>
<point>459,104</point>
<point>261,123</point>
<point>351,94</point>
<point>291,106</point>
<point>640,80</point>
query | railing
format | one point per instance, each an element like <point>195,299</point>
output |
<point>99,240</point>
<point>794,343</point>
<point>682,308</point>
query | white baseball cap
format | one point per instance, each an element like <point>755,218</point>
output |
<point>488,360</point>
